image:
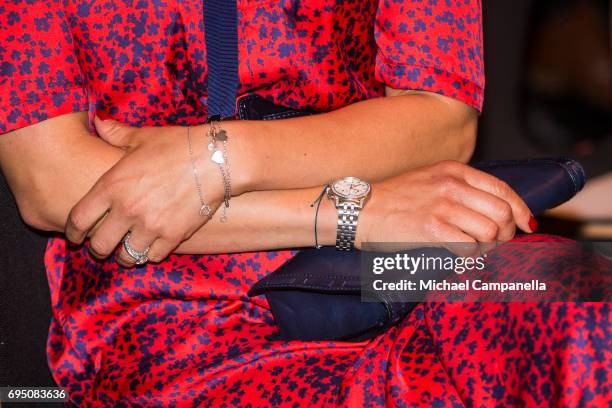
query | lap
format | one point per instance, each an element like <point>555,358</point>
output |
<point>189,335</point>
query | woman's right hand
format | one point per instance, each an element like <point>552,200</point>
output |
<point>446,202</point>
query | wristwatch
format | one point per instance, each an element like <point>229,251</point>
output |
<point>349,195</point>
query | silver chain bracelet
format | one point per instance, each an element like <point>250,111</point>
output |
<point>221,159</point>
<point>205,209</point>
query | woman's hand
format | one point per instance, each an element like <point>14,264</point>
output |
<point>150,192</point>
<point>446,202</point>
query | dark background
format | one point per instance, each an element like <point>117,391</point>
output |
<point>518,120</point>
<point>549,93</point>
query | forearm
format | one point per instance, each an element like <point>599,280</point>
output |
<point>372,139</point>
<point>51,165</point>
<point>388,135</point>
<point>266,220</point>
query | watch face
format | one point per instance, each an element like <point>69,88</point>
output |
<point>351,188</point>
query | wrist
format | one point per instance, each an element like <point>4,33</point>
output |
<point>367,218</point>
<point>363,227</point>
<point>327,223</point>
<point>350,195</point>
<point>242,155</point>
<point>206,170</point>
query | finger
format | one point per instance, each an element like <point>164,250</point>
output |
<point>98,223</point>
<point>107,235</point>
<point>161,249</point>
<point>87,212</point>
<point>477,225</point>
<point>455,240</point>
<point>139,240</point>
<point>483,181</point>
<point>114,132</point>
<point>493,208</point>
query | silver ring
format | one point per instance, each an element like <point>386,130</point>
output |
<point>141,257</point>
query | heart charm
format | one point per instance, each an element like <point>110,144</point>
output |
<point>205,210</point>
<point>217,157</point>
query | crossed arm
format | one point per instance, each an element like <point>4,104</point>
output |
<point>52,165</point>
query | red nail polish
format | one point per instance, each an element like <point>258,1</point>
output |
<point>102,115</point>
<point>533,224</point>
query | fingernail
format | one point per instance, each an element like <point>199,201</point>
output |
<point>533,224</point>
<point>94,253</point>
<point>102,115</point>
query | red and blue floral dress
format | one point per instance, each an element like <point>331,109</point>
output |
<point>183,332</point>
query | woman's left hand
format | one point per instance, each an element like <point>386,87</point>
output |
<point>150,192</point>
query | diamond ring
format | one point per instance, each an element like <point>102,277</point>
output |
<point>141,257</point>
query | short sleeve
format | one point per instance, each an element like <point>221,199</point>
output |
<point>431,45</point>
<point>39,73</point>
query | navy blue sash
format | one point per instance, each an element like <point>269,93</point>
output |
<point>221,30</point>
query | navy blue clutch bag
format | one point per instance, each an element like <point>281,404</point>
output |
<point>316,295</point>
